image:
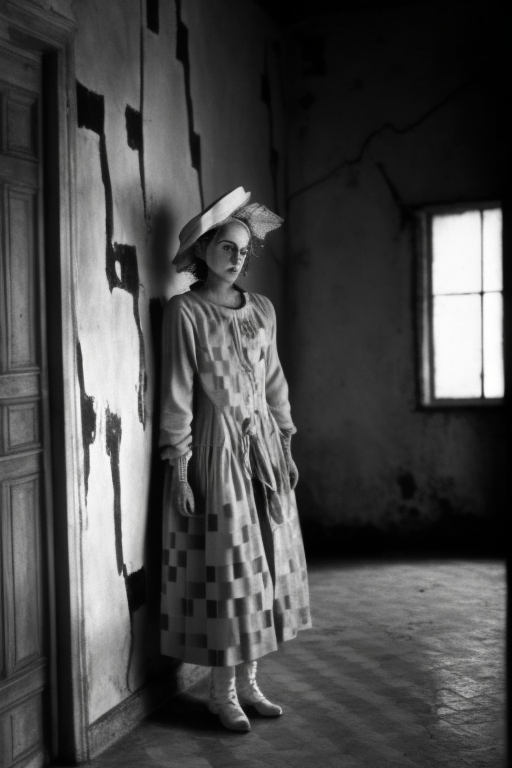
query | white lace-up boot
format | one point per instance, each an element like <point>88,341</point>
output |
<point>224,701</point>
<point>251,694</point>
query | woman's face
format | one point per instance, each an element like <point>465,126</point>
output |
<point>227,251</point>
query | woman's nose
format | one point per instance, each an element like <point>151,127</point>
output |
<point>235,255</point>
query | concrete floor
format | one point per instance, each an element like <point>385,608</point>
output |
<point>404,669</point>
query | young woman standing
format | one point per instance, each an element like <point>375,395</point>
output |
<point>234,573</point>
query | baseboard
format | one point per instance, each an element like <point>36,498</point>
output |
<point>121,719</point>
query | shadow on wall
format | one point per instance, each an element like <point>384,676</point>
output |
<point>162,223</point>
<point>450,531</point>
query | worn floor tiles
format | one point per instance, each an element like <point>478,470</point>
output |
<point>404,669</point>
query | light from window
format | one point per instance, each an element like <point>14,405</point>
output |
<point>465,308</point>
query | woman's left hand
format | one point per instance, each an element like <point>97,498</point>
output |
<point>293,472</point>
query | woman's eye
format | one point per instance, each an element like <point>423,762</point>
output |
<point>244,252</point>
<point>228,247</point>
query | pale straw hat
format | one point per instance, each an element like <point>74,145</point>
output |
<point>213,216</point>
<point>257,218</point>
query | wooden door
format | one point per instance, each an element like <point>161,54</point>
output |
<point>23,567</point>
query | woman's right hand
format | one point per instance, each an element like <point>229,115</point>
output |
<point>182,497</point>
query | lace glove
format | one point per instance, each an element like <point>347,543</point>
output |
<point>286,439</point>
<point>181,492</point>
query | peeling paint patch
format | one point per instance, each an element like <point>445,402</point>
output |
<point>182,54</point>
<point>90,109</point>
<point>113,446</point>
<point>124,258</point>
<point>88,417</point>
<point>153,16</point>
<point>133,128</point>
<point>91,115</point>
<point>135,138</point>
<point>135,583</point>
<point>266,97</point>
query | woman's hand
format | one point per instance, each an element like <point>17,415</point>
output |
<point>294,473</point>
<point>182,497</point>
<point>181,492</point>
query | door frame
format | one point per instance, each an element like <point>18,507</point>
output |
<point>24,24</point>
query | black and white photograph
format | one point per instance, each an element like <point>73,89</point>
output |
<point>255,350</point>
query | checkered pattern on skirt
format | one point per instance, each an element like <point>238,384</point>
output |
<point>223,602</point>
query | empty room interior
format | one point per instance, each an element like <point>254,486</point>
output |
<point>376,130</point>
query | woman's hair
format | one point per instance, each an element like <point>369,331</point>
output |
<point>199,268</point>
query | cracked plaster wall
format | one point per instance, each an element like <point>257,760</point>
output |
<point>160,126</point>
<point>392,108</point>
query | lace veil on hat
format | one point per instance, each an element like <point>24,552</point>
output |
<point>233,205</point>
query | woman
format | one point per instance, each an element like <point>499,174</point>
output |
<point>234,572</point>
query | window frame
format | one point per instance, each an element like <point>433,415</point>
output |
<point>424,306</point>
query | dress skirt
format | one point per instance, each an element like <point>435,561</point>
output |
<point>234,579</point>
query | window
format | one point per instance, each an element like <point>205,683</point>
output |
<point>461,293</point>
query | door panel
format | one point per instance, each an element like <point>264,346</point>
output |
<point>20,223</point>
<point>23,623</point>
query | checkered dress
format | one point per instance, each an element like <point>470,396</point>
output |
<point>224,396</point>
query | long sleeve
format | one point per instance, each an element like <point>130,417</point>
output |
<point>276,388</point>
<point>178,366</point>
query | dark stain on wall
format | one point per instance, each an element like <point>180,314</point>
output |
<point>135,589</point>
<point>312,53</point>
<point>91,115</point>
<point>182,54</point>
<point>90,109</point>
<point>135,584</point>
<point>135,138</point>
<point>88,415</point>
<point>266,97</point>
<point>113,446</point>
<point>153,16</point>
<point>133,128</point>
<point>407,485</point>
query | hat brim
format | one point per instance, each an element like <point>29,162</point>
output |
<point>213,216</point>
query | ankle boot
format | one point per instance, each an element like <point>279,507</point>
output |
<point>224,701</point>
<point>250,694</point>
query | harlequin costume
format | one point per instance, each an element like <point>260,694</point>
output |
<point>234,574</point>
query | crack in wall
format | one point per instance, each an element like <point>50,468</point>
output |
<point>452,96</point>
<point>182,54</point>
<point>121,265</point>
<point>404,210</point>
<point>266,97</point>
<point>88,417</point>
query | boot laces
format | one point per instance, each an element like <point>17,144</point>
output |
<point>250,686</point>
<point>225,696</point>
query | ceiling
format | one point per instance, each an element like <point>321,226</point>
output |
<point>287,12</point>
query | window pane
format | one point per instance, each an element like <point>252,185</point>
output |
<point>457,346</point>
<point>494,383</point>
<point>456,253</point>
<point>493,278</point>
